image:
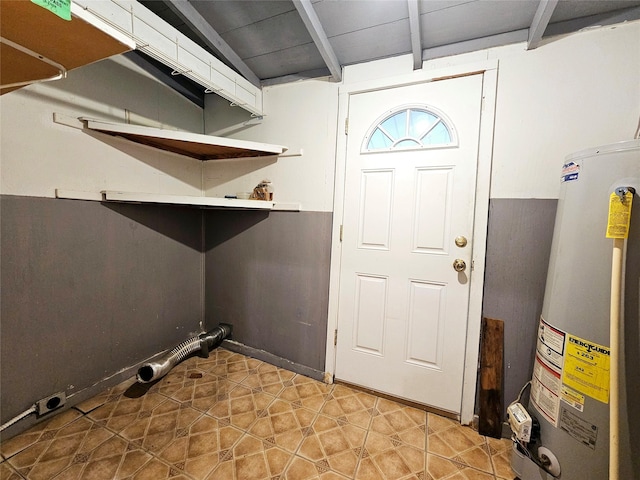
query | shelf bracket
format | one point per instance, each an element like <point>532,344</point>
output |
<point>62,71</point>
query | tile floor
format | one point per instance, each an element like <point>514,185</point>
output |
<point>230,417</point>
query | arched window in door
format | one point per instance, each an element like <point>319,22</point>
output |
<point>410,128</point>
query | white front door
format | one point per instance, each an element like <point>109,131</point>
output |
<point>410,185</point>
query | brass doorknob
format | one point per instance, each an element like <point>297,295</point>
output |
<point>461,241</point>
<point>459,265</point>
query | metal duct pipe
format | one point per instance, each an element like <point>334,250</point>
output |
<point>205,342</point>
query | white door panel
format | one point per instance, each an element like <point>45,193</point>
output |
<point>402,311</point>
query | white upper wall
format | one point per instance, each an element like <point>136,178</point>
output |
<point>39,156</point>
<point>302,116</point>
<point>571,93</point>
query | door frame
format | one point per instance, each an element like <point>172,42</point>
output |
<point>489,71</point>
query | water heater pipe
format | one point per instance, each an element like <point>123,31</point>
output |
<point>614,339</point>
<point>152,371</point>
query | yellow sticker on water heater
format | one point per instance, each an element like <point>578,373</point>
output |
<point>619,215</point>
<point>586,368</point>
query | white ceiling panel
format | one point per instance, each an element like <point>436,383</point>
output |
<point>570,9</point>
<point>269,35</point>
<point>290,61</point>
<point>376,42</point>
<point>476,19</point>
<point>350,16</point>
<point>227,15</point>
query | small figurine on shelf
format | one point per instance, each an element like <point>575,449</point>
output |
<point>263,191</point>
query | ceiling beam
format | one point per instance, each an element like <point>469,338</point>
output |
<point>414,30</point>
<point>203,29</point>
<point>540,22</point>
<point>312,22</point>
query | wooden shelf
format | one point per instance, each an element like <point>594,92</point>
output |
<point>202,147</point>
<point>71,44</point>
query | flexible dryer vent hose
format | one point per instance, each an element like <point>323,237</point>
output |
<point>152,371</point>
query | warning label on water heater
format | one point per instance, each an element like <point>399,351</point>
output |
<point>570,172</point>
<point>566,368</point>
<point>546,384</point>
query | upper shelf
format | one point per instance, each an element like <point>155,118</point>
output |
<point>38,45</point>
<point>201,147</point>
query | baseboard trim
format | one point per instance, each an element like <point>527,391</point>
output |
<point>273,359</point>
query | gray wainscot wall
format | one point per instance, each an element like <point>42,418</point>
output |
<point>518,248</point>
<point>268,275</point>
<point>89,291</point>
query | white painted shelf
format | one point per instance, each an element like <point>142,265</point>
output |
<point>186,200</point>
<point>195,145</point>
<point>212,202</point>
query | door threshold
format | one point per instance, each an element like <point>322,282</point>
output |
<point>404,401</point>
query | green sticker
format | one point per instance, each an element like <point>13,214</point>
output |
<point>61,8</point>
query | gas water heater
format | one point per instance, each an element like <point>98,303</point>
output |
<point>569,396</point>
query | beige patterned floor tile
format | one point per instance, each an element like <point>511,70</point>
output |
<point>348,405</point>
<point>197,389</point>
<point>242,407</point>
<point>234,367</point>
<point>400,423</point>
<point>122,411</point>
<point>436,423</point>
<point>154,429</point>
<point>476,457</point>
<point>216,356</point>
<point>8,473</point>
<point>201,447</point>
<point>252,459</point>
<point>395,445</point>
<point>499,445</point>
<point>391,458</point>
<point>115,459</point>
<point>335,446</point>
<point>81,449</point>
<point>306,392</point>
<point>284,425</point>
<point>442,468</point>
<point>449,439</point>
<point>157,470</point>
<point>230,417</point>
<point>269,379</point>
<point>502,465</point>
<point>303,469</point>
<point>108,395</point>
<point>36,433</point>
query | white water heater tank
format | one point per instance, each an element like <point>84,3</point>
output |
<point>570,384</point>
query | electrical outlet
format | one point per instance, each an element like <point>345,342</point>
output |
<point>50,403</point>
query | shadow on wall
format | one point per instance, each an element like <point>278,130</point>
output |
<point>170,226</point>
<point>111,83</point>
<point>219,172</point>
<point>242,220</point>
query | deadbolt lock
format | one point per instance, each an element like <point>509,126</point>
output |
<point>461,241</point>
<point>459,265</point>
